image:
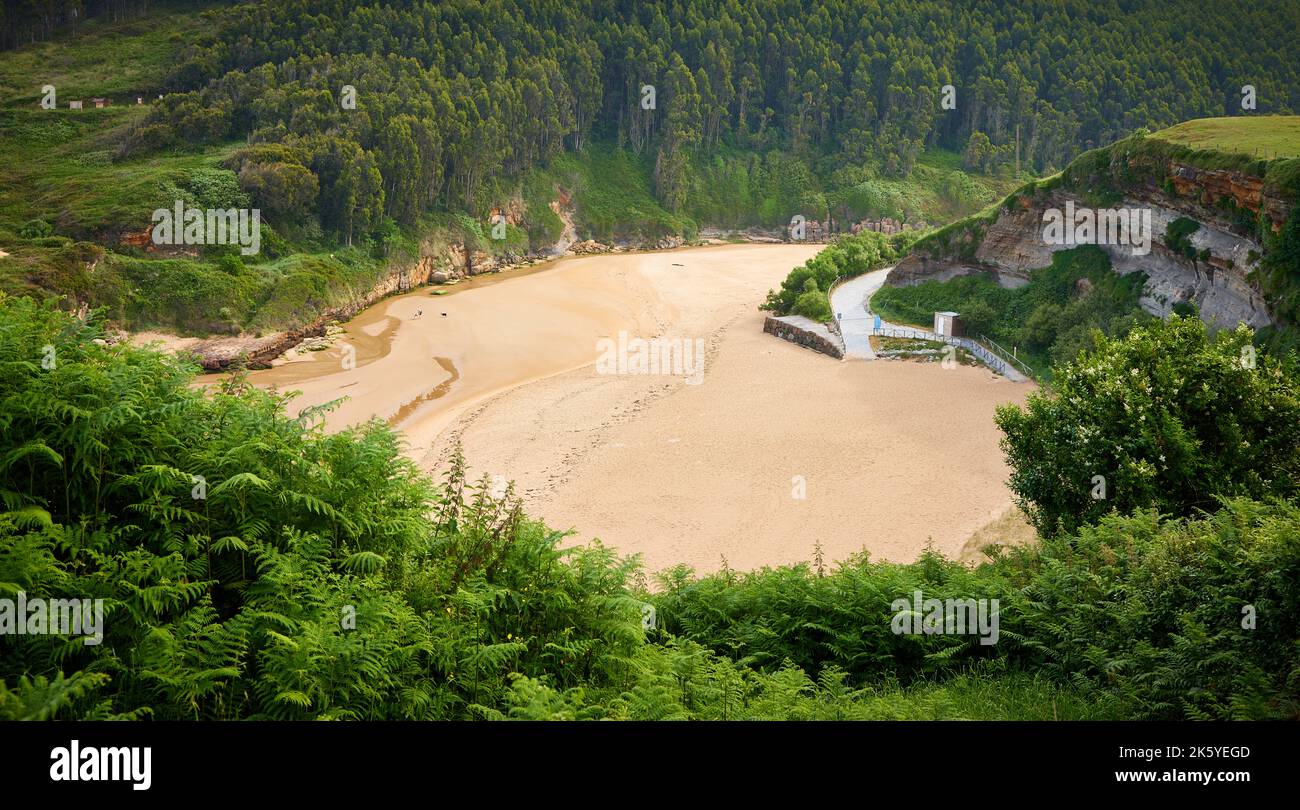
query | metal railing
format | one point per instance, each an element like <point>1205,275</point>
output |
<point>985,356</point>
<point>1010,357</point>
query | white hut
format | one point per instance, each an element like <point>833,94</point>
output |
<point>948,324</point>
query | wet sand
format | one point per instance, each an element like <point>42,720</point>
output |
<point>484,336</point>
<point>777,449</point>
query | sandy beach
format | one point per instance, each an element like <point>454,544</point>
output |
<point>776,449</point>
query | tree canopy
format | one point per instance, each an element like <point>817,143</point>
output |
<point>449,96</point>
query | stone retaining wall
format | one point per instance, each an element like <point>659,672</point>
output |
<point>804,337</point>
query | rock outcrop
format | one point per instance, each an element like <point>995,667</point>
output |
<point>589,246</point>
<point>1218,280</point>
<point>886,225</point>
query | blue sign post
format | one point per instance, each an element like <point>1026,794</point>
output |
<point>877,320</point>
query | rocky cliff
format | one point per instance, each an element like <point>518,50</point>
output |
<point>1213,269</point>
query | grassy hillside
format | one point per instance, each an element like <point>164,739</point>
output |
<point>1264,146</point>
<point>120,60</point>
<point>1257,136</point>
<point>62,167</point>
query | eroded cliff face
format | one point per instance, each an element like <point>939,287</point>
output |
<point>1218,281</point>
<point>222,353</point>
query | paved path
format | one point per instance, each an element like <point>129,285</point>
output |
<point>850,303</point>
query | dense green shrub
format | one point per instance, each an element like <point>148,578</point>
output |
<point>1150,619</point>
<point>1177,236</point>
<point>812,302</point>
<point>1192,618</point>
<point>846,257</point>
<point>36,229</point>
<point>1049,320</point>
<point>1279,271</point>
<point>1167,417</point>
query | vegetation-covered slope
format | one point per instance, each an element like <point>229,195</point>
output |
<point>1049,320</point>
<point>252,566</point>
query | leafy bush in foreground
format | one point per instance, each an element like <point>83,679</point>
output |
<point>1165,417</point>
